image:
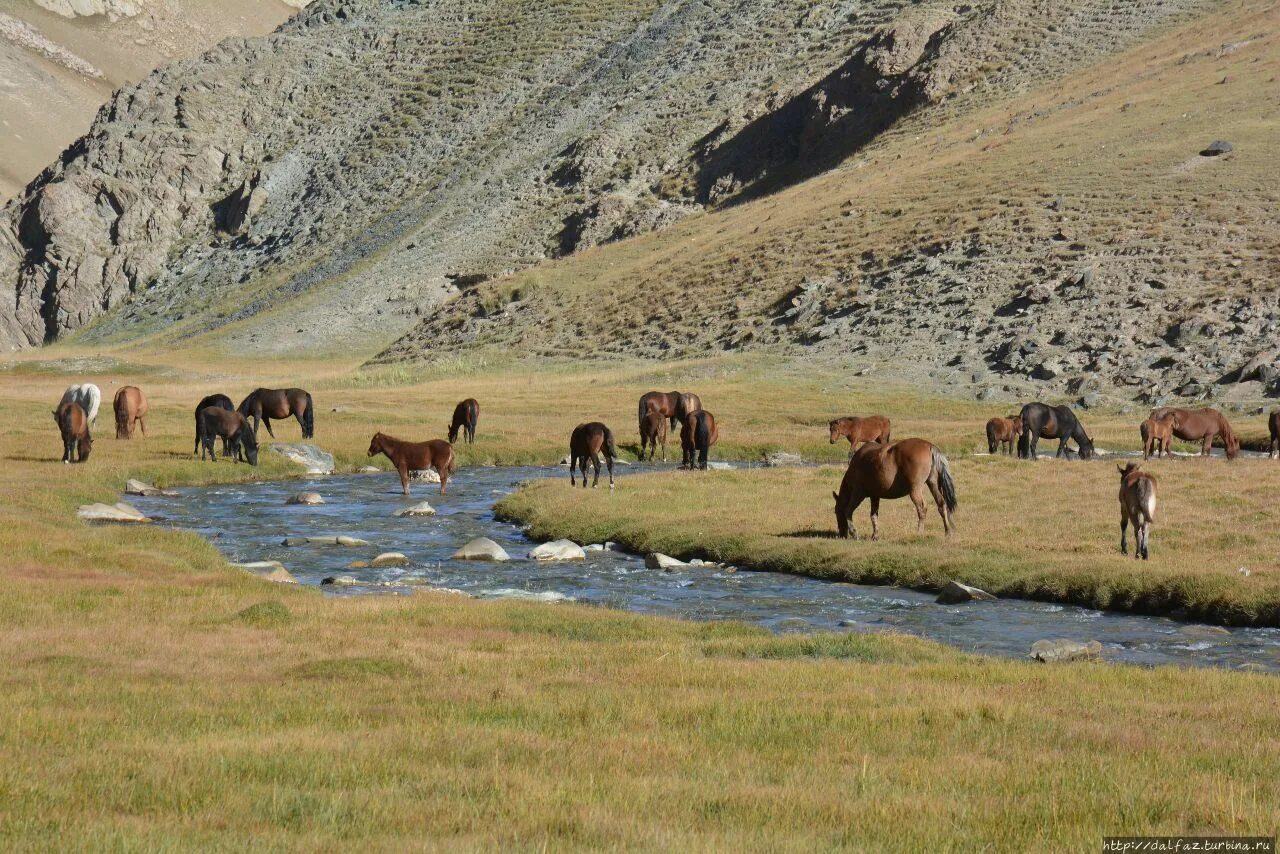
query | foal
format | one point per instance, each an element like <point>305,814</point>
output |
<point>1003,432</point>
<point>465,417</point>
<point>238,439</point>
<point>653,430</point>
<point>697,435</point>
<point>416,456</point>
<point>1157,435</point>
<point>1137,505</point>
<point>585,444</point>
<point>872,428</point>
<point>73,424</point>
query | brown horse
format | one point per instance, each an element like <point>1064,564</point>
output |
<point>1203,426</point>
<point>238,439</point>
<point>73,424</point>
<point>263,404</point>
<point>416,456</point>
<point>1137,505</point>
<point>465,417</point>
<point>1157,436</point>
<point>904,468</point>
<point>222,402</point>
<point>698,433</point>
<point>131,407</point>
<point>653,430</point>
<point>585,444</point>
<point>1273,423</point>
<point>675,405</point>
<point>1003,432</point>
<point>873,428</point>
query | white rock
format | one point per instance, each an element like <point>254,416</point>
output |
<point>369,469</point>
<point>558,550</point>
<point>422,508</point>
<point>314,460</point>
<point>269,570</point>
<point>594,547</point>
<point>305,498</point>
<point>953,593</point>
<point>137,487</point>
<point>389,559</point>
<point>1064,650</point>
<point>657,560</point>
<point>716,465</point>
<point>482,548</point>
<point>424,475</point>
<point>119,512</point>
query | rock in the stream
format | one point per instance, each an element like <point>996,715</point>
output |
<point>481,548</point>
<point>953,593</point>
<point>389,559</point>
<point>1064,650</point>
<point>782,458</point>
<point>137,487</point>
<point>325,541</point>
<point>558,550</point>
<point>424,475</point>
<point>268,570</point>
<point>422,508</point>
<point>119,512</point>
<point>718,466</point>
<point>666,563</point>
<point>369,469</point>
<point>304,498</point>
<point>594,547</point>
<point>311,458</point>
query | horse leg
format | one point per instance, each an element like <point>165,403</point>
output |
<point>702,458</point>
<point>142,425</point>
<point>573,465</point>
<point>947,524</point>
<point>1062,448</point>
<point>402,468</point>
<point>444,477</point>
<point>1141,533</point>
<point>1124,530</point>
<point>266,422</point>
<point>875,518</point>
<point>917,498</point>
<point>608,461</point>
<point>595,462</point>
<point>664,449</point>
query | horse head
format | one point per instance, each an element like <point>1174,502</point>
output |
<point>85,445</point>
<point>453,432</point>
<point>375,445</point>
<point>835,430</point>
<point>1086,445</point>
<point>842,518</point>
<point>1127,469</point>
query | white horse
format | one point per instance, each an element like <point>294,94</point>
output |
<point>88,395</point>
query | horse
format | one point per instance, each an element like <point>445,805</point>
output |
<point>88,395</point>
<point>872,428</point>
<point>416,456</point>
<point>73,424</point>
<point>675,405</point>
<point>1003,432</point>
<point>238,439</point>
<point>1137,505</point>
<point>1041,421</point>
<point>263,404</point>
<point>465,417</point>
<point>653,430</point>
<point>895,470</point>
<point>130,405</point>
<point>1202,425</point>
<point>585,444</point>
<point>1273,423</point>
<point>1157,435</point>
<point>697,435</point>
<point>221,401</point>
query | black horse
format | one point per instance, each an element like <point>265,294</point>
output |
<point>221,401</point>
<point>1041,421</point>
<point>465,417</point>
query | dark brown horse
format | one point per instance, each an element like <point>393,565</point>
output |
<point>697,434</point>
<point>1203,426</point>
<point>675,405</point>
<point>872,428</point>
<point>238,439</point>
<point>905,468</point>
<point>465,417</point>
<point>1137,505</point>
<point>73,424</point>
<point>416,456</point>
<point>585,445</point>
<point>263,404</point>
<point>1273,423</point>
<point>221,401</point>
<point>1003,433</point>
<point>653,430</point>
<point>131,407</point>
<point>1042,421</point>
<point>1157,436</point>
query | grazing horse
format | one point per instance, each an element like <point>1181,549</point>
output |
<point>1137,505</point>
<point>88,395</point>
<point>416,456</point>
<point>73,424</point>
<point>585,444</point>
<point>1273,423</point>
<point>653,430</point>
<point>1203,426</point>
<point>1003,433</point>
<point>263,404</point>
<point>903,468</point>
<point>1157,435</point>
<point>873,428</point>
<point>674,405</point>
<point>130,405</point>
<point>465,417</point>
<point>1041,421</point>
<point>697,435</point>
<point>221,401</point>
<point>238,439</point>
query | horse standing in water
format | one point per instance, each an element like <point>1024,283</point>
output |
<point>675,405</point>
<point>872,428</point>
<point>1157,436</point>
<point>1203,426</point>
<point>1137,505</point>
<point>585,445</point>
<point>1003,433</point>
<point>1041,421</point>
<point>905,468</point>
<point>416,456</point>
<point>221,401</point>
<point>238,439</point>
<point>263,404</point>
<point>697,435</point>
<point>88,395</point>
<point>73,424</point>
<point>130,405</point>
<point>653,430</point>
<point>465,417</point>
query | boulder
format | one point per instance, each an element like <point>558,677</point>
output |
<point>311,458</point>
<point>1216,148</point>
<point>715,465</point>
<point>782,458</point>
<point>119,512</point>
<point>424,475</point>
<point>325,541</point>
<point>666,563</point>
<point>482,548</point>
<point>369,470</point>
<point>343,540</point>
<point>954,593</point>
<point>422,508</point>
<point>268,570</point>
<point>389,559</point>
<point>137,487</point>
<point>304,498</point>
<point>558,550</point>
<point>1065,650</point>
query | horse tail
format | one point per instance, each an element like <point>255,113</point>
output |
<point>309,419</point>
<point>610,450</point>
<point>945,483</point>
<point>991,437</point>
<point>701,433</point>
<point>93,396</point>
<point>1146,491</point>
<point>1024,438</point>
<point>121,406</point>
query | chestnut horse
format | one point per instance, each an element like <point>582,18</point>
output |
<point>697,435</point>
<point>1157,435</point>
<point>1273,423</point>
<point>73,424</point>
<point>674,405</point>
<point>1203,426</point>
<point>416,456</point>
<point>873,428</point>
<point>585,444</point>
<point>238,440</point>
<point>221,401</point>
<point>1137,505</point>
<point>653,430</point>
<point>1003,433</point>
<point>263,404</point>
<point>465,417</point>
<point>905,468</point>
<point>1041,421</point>
<point>130,405</point>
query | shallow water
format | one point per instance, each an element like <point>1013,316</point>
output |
<point>248,522</point>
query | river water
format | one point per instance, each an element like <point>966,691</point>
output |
<point>248,522</point>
